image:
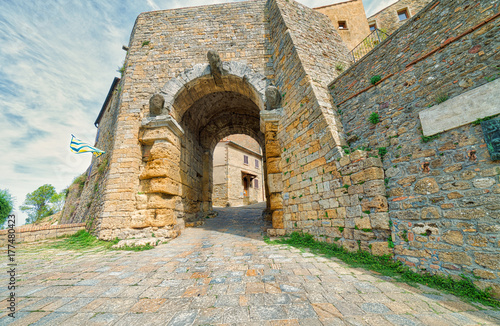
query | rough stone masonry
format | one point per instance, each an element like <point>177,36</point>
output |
<point>195,75</point>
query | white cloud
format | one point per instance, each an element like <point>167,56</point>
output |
<point>374,6</point>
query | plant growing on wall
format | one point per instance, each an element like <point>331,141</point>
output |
<point>374,118</point>
<point>375,79</point>
<point>442,97</point>
<point>339,66</point>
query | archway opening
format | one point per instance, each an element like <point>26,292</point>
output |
<point>238,175</point>
<point>215,115</point>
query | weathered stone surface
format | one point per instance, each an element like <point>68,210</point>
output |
<point>465,214</point>
<point>488,260</point>
<point>380,248</point>
<point>163,185</point>
<point>430,213</point>
<point>276,201</point>
<point>453,237</point>
<point>164,150</point>
<point>277,219</point>
<point>460,258</point>
<point>483,182</point>
<point>380,221</point>
<point>379,203</point>
<point>161,168</point>
<point>426,186</point>
<point>273,165</point>
<point>160,201</point>
<point>275,182</point>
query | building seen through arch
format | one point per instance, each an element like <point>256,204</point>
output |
<point>237,172</point>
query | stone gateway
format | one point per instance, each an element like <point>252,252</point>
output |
<point>269,69</point>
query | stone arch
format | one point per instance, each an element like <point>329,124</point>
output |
<point>197,82</point>
<point>209,108</point>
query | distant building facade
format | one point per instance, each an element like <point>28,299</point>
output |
<point>392,17</point>
<point>237,172</point>
<point>350,20</point>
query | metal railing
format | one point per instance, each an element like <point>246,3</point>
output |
<point>370,42</point>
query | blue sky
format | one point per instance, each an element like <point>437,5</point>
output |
<point>57,61</point>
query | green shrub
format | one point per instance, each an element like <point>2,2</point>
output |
<point>374,118</point>
<point>375,79</point>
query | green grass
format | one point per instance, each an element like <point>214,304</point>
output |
<point>84,240</point>
<point>478,121</point>
<point>386,266</point>
<point>426,139</point>
<point>441,97</point>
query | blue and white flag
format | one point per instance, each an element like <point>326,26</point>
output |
<point>77,146</point>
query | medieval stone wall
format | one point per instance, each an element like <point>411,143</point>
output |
<point>443,194</point>
<point>388,20</point>
<point>352,13</point>
<point>31,233</point>
<point>306,48</point>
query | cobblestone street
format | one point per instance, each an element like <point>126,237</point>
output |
<point>220,273</point>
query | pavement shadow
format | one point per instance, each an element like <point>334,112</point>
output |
<point>246,221</point>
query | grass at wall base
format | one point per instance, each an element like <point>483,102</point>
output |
<point>386,266</point>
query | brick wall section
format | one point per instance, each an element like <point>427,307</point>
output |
<point>31,233</point>
<point>387,19</point>
<point>445,218</point>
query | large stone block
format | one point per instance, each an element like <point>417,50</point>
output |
<point>488,260</point>
<point>374,187</point>
<point>163,217</point>
<point>456,257</point>
<point>362,223</point>
<point>465,108</point>
<point>379,203</point>
<point>380,221</point>
<point>278,219</point>
<point>164,149</point>
<point>160,201</point>
<point>273,165</point>
<point>426,186</point>
<point>276,201</point>
<point>140,218</point>
<point>273,148</point>
<point>275,182</point>
<point>430,213</point>
<point>374,173</point>
<point>149,136</point>
<point>163,185</point>
<point>453,237</point>
<point>380,248</point>
<point>161,168</point>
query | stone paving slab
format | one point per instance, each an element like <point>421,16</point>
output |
<point>221,273</point>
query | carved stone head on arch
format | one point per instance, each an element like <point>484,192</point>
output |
<point>156,103</point>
